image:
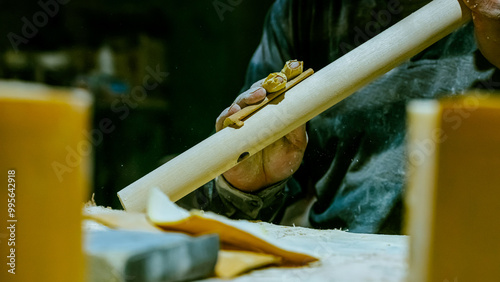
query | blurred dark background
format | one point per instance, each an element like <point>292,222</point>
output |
<point>111,46</point>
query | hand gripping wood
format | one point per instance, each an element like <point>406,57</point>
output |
<point>325,88</point>
<point>237,118</point>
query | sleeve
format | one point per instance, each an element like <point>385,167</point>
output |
<point>261,205</point>
<point>221,197</point>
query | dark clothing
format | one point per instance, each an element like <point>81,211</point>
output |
<point>355,159</point>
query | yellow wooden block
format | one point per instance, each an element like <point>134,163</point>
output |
<point>453,196</point>
<point>43,142</point>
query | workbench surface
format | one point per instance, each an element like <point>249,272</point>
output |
<point>343,256</point>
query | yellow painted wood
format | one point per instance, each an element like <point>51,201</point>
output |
<point>453,198</point>
<point>40,126</point>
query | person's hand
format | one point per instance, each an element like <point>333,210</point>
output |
<point>274,163</point>
<point>486,17</point>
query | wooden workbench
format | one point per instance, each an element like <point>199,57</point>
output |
<point>343,256</point>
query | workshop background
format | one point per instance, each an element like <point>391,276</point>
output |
<point>111,46</point>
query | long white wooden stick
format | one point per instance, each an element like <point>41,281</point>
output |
<point>325,88</point>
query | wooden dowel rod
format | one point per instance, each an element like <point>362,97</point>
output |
<point>325,88</point>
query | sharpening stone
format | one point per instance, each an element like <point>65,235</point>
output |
<point>115,255</point>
